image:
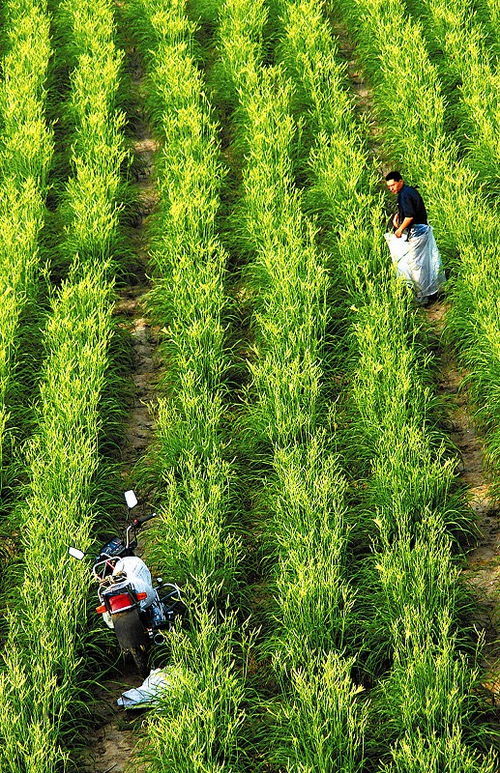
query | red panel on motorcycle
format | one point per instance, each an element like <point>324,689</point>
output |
<point>120,602</point>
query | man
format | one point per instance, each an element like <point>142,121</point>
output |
<point>417,260</point>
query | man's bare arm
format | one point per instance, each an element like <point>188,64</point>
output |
<point>406,222</point>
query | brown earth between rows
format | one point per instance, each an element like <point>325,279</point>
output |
<point>482,571</point>
<point>110,748</point>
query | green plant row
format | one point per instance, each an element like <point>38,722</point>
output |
<point>410,596</point>
<point>488,11</point>
<point>26,142</point>
<point>25,157</point>
<point>469,74</point>
<point>411,109</point>
<point>316,721</point>
<point>42,656</point>
<point>89,209</point>
<point>193,540</point>
<point>42,688</point>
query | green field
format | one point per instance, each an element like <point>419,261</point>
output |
<point>323,454</point>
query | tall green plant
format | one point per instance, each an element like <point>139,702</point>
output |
<point>321,726</point>
<point>42,658</point>
<point>471,81</point>
<point>26,148</point>
<point>89,209</point>
<point>488,13</point>
<point>41,686</point>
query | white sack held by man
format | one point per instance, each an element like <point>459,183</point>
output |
<point>416,259</point>
<point>412,245</point>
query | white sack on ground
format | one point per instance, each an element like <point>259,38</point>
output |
<point>173,679</point>
<point>148,693</point>
<point>417,261</point>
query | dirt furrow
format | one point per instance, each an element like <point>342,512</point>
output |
<point>111,745</point>
<point>482,570</point>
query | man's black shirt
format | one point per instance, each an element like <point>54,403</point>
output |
<point>410,204</point>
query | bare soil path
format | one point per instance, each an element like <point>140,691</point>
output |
<point>110,748</point>
<point>482,570</point>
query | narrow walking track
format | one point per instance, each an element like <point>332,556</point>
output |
<point>482,570</point>
<point>112,742</point>
<point>144,336</point>
<point>110,748</point>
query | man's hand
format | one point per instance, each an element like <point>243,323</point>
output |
<point>405,224</point>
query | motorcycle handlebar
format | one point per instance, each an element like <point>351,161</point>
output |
<point>140,521</point>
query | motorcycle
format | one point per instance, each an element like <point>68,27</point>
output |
<point>139,612</point>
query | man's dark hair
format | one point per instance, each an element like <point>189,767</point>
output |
<point>396,176</point>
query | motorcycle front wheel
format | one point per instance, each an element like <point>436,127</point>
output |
<point>133,638</point>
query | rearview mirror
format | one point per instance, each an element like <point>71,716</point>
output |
<point>130,499</point>
<point>75,553</point>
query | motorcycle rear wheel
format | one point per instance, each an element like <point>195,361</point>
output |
<point>133,638</point>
